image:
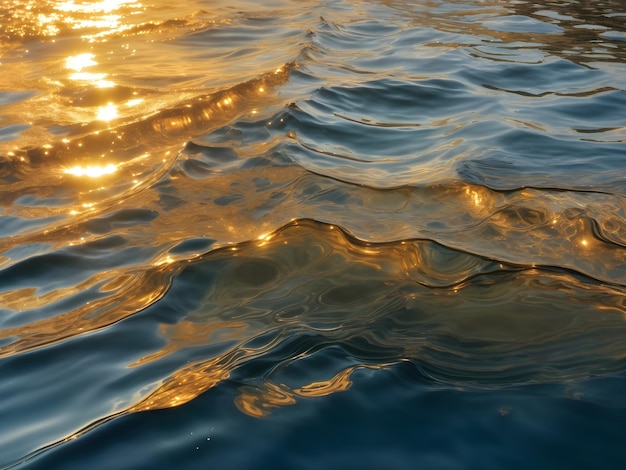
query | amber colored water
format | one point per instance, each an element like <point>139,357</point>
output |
<point>312,234</point>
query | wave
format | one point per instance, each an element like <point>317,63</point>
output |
<point>201,206</point>
<point>305,197</point>
<point>263,315</point>
<point>52,305</point>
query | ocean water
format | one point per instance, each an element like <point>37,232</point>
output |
<point>309,234</point>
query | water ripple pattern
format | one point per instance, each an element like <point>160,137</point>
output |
<point>333,234</point>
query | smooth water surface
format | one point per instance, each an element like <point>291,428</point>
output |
<point>312,234</point>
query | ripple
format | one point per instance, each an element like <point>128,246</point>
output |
<point>490,311</point>
<point>232,231</point>
<point>521,24</point>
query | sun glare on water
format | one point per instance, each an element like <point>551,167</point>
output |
<point>105,6</point>
<point>107,113</point>
<point>80,61</point>
<point>91,171</point>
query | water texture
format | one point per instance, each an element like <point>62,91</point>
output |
<point>312,234</point>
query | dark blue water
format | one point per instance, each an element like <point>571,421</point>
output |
<point>301,234</point>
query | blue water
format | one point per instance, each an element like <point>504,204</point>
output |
<point>304,234</point>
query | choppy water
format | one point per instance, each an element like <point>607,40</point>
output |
<point>312,234</point>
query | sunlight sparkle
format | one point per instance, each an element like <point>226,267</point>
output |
<point>91,171</point>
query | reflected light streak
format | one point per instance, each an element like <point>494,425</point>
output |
<point>104,6</point>
<point>162,261</point>
<point>80,61</point>
<point>111,21</point>
<point>134,102</point>
<point>96,78</point>
<point>91,171</point>
<point>259,401</point>
<point>105,15</point>
<point>476,199</point>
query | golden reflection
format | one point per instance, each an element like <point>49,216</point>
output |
<point>104,6</point>
<point>165,260</point>
<point>134,102</point>
<point>96,78</point>
<point>530,232</point>
<point>80,61</point>
<point>188,334</point>
<point>104,15</point>
<point>259,401</point>
<point>107,113</point>
<point>185,385</point>
<point>54,18</point>
<point>476,194</point>
<point>91,171</point>
<point>47,24</point>
<point>132,294</point>
<point>339,383</point>
<point>264,238</point>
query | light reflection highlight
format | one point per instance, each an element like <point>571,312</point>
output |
<point>107,113</point>
<point>91,171</point>
<point>104,6</point>
<point>96,78</point>
<point>80,61</point>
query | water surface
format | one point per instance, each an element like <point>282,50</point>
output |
<point>304,234</point>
